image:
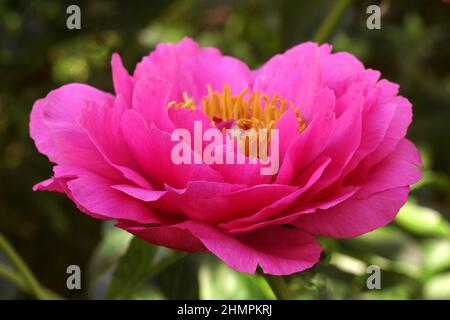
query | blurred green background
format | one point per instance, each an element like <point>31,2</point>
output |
<point>38,53</point>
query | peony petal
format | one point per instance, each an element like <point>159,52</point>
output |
<point>227,204</point>
<point>288,129</point>
<point>152,148</point>
<point>62,175</point>
<point>341,69</point>
<point>150,99</point>
<point>396,131</point>
<point>304,207</point>
<point>102,124</point>
<point>309,145</point>
<point>95,194</point>
<point>343,143</point>
<point>50,184</point>
<point>295,75</point>
<point>310,177</point>
<point>399,169</point>
<point>173,236</point>
<point>189,68</point>
<point>186,119</point>
<point>374,127</point>
<point>145,195</point>
<point>123,82</point>
<point>355,216</point>
<point>56,133</point>
<point>277,250</point>
<point>40,132</point>
<point>241,171</point>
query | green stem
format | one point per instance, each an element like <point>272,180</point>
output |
<point>166,262</point>
<point>279,287</point>
<point>331,20</point>
<point>28,281</point>
<point>11,276</point>
<point>14,278</point>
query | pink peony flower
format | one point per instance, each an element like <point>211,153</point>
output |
<point>345,166</point>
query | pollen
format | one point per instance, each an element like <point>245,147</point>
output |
<point>248,110</point>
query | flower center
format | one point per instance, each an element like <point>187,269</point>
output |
<point>247,112</point>
<point>257,111</point>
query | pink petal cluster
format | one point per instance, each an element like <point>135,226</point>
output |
<point>346,174</point>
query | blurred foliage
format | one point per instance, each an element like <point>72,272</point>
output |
<point>38,53</point>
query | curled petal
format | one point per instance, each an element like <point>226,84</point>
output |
<point>277,250</point>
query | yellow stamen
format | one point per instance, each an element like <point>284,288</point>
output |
<point>256,111</point>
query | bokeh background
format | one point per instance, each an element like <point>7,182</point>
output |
<point>38,53</point>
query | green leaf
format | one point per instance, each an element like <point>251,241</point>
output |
<point>436,256</point>
<point>148,293</point>
<point>133,268</point>
<point>400,291</point>
<point>390,248</point>
<point>218,281</point>
<point>422,220</point>
<point>180,280</point>
<point>438,287</point>
<point>113,244</point>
